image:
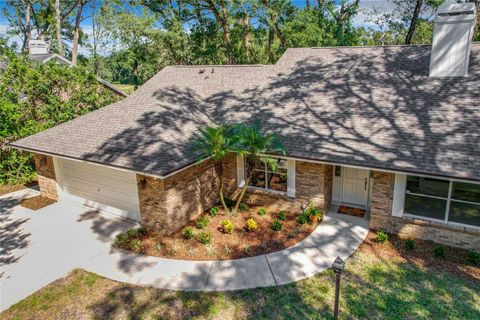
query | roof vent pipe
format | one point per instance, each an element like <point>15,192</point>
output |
<point>452,39</point>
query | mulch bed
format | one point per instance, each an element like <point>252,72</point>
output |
<point>12,188</point>
<point>241,243</point>
<point>36,203</point>
<point>422,256</point>
<point>356,212</point>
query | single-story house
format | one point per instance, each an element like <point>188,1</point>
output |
<point>393,129</point>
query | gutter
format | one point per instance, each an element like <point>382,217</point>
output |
<point>191,164</point>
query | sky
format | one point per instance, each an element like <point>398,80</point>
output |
<point>359,20</point>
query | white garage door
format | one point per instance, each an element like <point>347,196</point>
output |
<point>100,187</point>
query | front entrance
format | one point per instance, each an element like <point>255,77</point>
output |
<point>355,186</point>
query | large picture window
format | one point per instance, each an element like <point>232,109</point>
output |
<point>444,200</point>
<point>268,177</point>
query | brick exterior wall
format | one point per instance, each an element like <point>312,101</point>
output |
<point>381,219</point>
<point>313,181</point>
<point>46,176</point>
<point>166,205</point>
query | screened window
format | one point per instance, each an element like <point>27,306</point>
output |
<point>268,176</point>
<point>449,201</point>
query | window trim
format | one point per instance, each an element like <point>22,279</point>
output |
<point>266,171</point>
<point>449,199</point>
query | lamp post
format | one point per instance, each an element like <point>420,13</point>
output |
<point>337,266</point>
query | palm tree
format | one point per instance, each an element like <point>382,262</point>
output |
<point>253,143</point>
<point>216,142</point>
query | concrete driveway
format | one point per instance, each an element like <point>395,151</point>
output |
<point>38,247</point>
<point>41,246</point>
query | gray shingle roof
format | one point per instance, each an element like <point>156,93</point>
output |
<point>367,106</point>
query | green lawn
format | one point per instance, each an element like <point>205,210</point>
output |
<point>127,88</point>
<point>381,282</point>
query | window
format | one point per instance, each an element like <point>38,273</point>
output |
<point>426,197</point>
<point>465,204</point>
<point>449,201</point>
<point>267,175</point>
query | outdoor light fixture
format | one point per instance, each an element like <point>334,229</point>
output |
<point>143,183</point>
<point>337,266</point>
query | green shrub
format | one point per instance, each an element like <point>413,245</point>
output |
<point>381,237</point>
<point>473,258</point>
<point>188,233</point>
<point>227,226</point>
<point>251,224</point>
<point>277,225</point>
<point>121,240</point>
<point>282,215</point>
<point>205,237</point>
<point>303,218</point>
<point>125,239</point>
<point>409,244</point>
<point>243,206</point>
<point>136,245</point>
<point>439,251</point>
<point>214,211</point>
<point>202,222</point>
<point>262,211</point>
<point>136,232</point>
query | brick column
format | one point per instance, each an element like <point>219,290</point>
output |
<point>314,183</point>
<point>46,176</point>
<point>382,200</point>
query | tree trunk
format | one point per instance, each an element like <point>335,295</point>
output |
<point>247,38</point>
<point>58,25</point>
<point>220,187</point>
<point>76,33</point>
<point>28,30</point>
<point>413,22</point>
<point>274,24</point>
<point>222,20</point>
<point>271,38</point>
<point>95,36</point>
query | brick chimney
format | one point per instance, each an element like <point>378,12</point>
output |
<point>452,39</point>
<point>37,47</point>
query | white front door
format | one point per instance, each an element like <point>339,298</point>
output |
<point>355,186</point>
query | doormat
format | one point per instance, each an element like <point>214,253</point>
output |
<point>356,212</point>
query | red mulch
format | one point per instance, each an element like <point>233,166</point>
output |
<point>36,203</point>
<point>240,244</point>
<point>356,212</point>
<point>422,256</point>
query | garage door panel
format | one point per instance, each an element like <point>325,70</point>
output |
<point>100,187</point>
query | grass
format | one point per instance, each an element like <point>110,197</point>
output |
<point>381,281</point>
<point>127,88</point>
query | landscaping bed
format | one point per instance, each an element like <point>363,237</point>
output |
<point>220,236</point>
<point>380,281</point>
<point>36,203</point>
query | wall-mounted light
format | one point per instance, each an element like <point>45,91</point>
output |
<point>43,161</point>
<point>142,183</point>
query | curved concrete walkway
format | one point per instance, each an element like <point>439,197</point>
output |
<point>40,247</point>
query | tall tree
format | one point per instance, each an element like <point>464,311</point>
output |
<point>76,32</point>
<point>221,13</point>
<point>58,27</point>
